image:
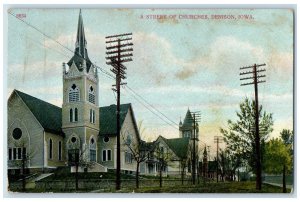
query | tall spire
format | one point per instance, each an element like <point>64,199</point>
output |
<point>81,56</point>
<point>80,39</point>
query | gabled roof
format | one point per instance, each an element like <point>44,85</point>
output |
<point>48,115</point>
<point>108,119</point>
<point>178,145</point>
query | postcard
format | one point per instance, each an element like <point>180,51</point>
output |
<point>110,100</point>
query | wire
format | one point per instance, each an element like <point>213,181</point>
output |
<point>67,48</point>
<point>106,73</point>
<point>151,105</point>
<point>152,110</point>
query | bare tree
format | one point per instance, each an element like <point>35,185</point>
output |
<point>164,156</point>
<point>78,159</point>
<point>21,159</point>
<point>140,151</point>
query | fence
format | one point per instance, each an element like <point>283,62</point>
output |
<point>102,184</point>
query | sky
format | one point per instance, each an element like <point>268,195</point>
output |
<point>178,62</point>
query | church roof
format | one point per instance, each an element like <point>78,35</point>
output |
<point>81,53</point>
<point>188,120</point>
<point>48,115</point>
<point>108,118</point>
<point>178,145</point>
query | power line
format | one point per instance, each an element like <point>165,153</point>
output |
<point>151,105</point>
<point>67,48</point>
<point>151,110</point>
<point>105,73</point>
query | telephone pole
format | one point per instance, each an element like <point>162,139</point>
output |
<point>196,117</point>
<point>119,50</point>
<point>218,139</point>
<point>255,80</point>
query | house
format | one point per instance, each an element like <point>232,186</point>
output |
<point>47,136</point>
<point>174,155</point>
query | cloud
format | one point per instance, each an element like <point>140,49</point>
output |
<point>226,54</point>
<point>222,54</point>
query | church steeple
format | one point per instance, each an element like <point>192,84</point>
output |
<point>80,58</point>
<point>80,39</point>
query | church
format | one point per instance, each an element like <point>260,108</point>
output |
<point>47,135</point>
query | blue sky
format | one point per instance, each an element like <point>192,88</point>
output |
<point>177,64</point>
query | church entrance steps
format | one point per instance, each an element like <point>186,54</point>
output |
<point>42,176</point>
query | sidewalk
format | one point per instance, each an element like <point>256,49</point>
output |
<point>279,185</point>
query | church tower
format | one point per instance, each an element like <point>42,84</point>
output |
<point>80,109</point>
<point>186,129</point>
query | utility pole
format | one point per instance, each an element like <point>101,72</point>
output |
<point>255,80</point>
<point>218,139</point>
<point>196,117</point>
<point>119,50</point>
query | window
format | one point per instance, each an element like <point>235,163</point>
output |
<point>187,134</point>
<point>76,114</point>
<point>109,155</point>
<point>19,153</point>
<point>24,153</point>
<point>106,139</point>
<point>91,95</point>
<point>74,94</point>
<point>59,151</point>
<point>92,116</point>
<point>9,154</point>
<point>73,115</point>
<point>92,150</point>
<point>91,111</point>
<point>73,139</point>
<point>17,133</point>
<point>50,149</point>
<point>106,155</point>
<point>14,153</point>
<point>128,157</point>
<point>128,139</point>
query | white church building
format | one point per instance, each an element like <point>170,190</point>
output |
<point>47,135</point>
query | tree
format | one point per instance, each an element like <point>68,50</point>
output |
<point>140,149</point>
<point>164,156</point>
<point>78,159</point>
<point>278,159</point>
<point>24,156</point>
<point>240,135</point>
<point>287,137</point>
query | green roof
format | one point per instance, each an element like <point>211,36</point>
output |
<point>178,145</point>
<point>188,120</point>
<point>108,118</point>
<point>48,115</point>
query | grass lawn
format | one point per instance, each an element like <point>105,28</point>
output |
<point>221,187</point>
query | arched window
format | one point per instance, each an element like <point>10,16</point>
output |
<point>92,149</point>
<point>59,151</point>
<point>76,114</point>
<point>71,115</point>
<point>91,114</point>
<point>50,149</point>
<point>91,95</point>
<point>74,94</point>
